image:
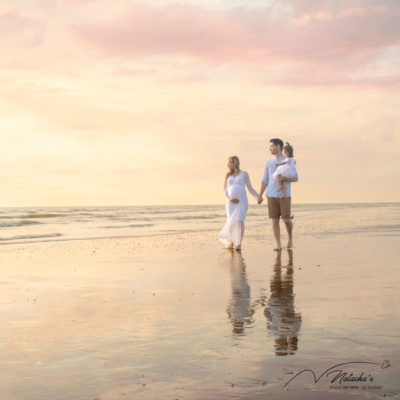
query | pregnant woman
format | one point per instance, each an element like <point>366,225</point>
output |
<point>236,204</point>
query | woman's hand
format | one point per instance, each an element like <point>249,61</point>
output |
<point>234,201</point>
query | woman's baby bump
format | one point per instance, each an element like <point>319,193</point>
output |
<point>236,191</point>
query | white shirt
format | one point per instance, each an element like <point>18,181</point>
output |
<point>271,183</point>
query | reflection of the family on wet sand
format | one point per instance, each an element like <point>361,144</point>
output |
<point>282,319</point>
<point>283,322</point>
<point>240,309</point>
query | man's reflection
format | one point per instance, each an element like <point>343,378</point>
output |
<point>282,320</point>
<point>240,310</point>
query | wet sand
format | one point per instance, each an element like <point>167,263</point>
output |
<point>178,317</point>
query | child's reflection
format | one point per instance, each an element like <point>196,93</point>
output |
<point>282,320</point>
<point>239,309</point>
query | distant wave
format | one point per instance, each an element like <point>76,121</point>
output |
<point>35,224</point>
<point>43,215</point>
<point>211,216</point>
<point>19,237</point>
<point>19,216</point>
<point>126,226</point>
<point>19,223</point>
<point>74,239</point>
<point>160,211</point>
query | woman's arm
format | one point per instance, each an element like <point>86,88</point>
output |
<point>250,188</point>
<point>260,195</point>
<point>225,190</point>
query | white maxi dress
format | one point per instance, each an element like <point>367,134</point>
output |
<point>235,188</point>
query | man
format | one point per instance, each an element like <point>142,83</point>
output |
<point>277,207</point>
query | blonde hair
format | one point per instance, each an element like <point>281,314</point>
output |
<point>236,164</point>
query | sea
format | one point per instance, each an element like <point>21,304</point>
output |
<point>43,224</point>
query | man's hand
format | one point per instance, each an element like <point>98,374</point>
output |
<point>235,201</point>
<point>260,199</point>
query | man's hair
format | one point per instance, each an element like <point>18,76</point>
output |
<point>277,142</point>
<point>289,149</point>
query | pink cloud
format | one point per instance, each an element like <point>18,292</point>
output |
<point>319,77</point>
<point>16,29</point>
<point>340,41</point>
<point>392,80</point>
<point>307,7</point>
<point>176,29</point>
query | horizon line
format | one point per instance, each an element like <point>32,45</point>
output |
<point>195,205</point>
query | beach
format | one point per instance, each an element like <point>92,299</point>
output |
<point>136,137</point>
<point>176,316</point>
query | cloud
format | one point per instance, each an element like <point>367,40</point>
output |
<point>231,34</point>
<point>313,35</point>
<point>175,29</point>
<point>304,7</point>
<point>17,30</point>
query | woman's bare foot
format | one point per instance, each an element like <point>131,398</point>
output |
<point>230,246</point>
<point>279,248</point>
<point>290,244</point>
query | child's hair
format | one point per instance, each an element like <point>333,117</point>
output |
<point>289,149</point>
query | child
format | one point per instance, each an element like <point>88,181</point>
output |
<point>286,169</point>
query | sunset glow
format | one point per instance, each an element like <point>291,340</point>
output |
<point>129,103</point>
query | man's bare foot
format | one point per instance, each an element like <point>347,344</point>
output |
<point>278,248</point>
<point>290,244</point>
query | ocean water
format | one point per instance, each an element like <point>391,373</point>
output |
<point>35,224</point>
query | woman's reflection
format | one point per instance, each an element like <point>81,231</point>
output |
<point>282,320</point>
<point>240,310</point>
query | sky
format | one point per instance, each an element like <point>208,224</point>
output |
<point>141,103</point>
